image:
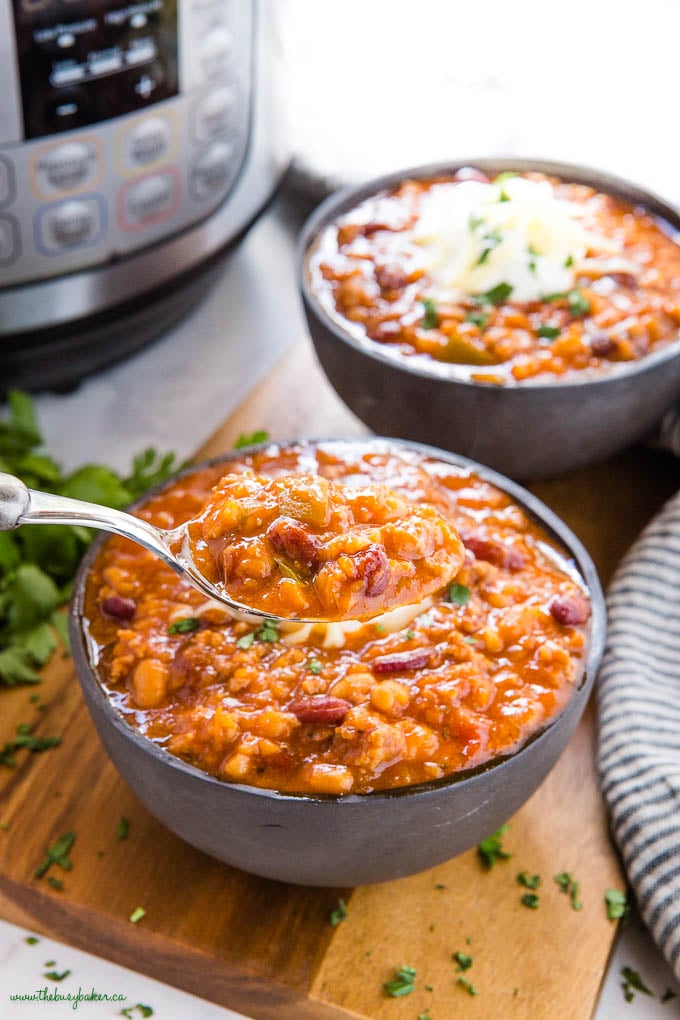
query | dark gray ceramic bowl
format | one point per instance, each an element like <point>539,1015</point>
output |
<point>533,430</point>
<point>340,841</point>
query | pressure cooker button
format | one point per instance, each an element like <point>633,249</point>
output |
<point>149,200</point>
<point>6,181</point>
<point>71,224</point>
<point>9,240</point>
<point>214,113</point>
<point>67,167</point>
<point>216,51</point>
<point>148,141</point>
<point>212,171</point>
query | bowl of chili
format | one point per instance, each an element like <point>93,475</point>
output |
<point>344,754</point>
<point>521,312</point>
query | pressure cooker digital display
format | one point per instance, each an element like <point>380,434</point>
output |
<point>84,61</point>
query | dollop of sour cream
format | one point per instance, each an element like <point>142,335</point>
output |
<point>514,232</point>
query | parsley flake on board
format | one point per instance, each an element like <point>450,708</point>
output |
<point>402,983</point>
<point>55,883</point>
<point>186,625</point>
<point>37,565</point>
<point>58,853</point>
<point>464,960</point>
<point>531,900</point>
<point>251,438</point>
<point>141,1010</point>
<point>631,983</point>
<point>31,940</point>
<point>339,914</point>
<point>616,903</point>
<point>568,884</point>
<point>137,914</point>
<point>467,985</point>
<point>431,316</point>
<point>491,849</point>
<point>25,740</point>
<point>529,881</point>
<point>459,594</point>
<point>123,828</point>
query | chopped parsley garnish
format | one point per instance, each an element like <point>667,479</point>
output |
<point>578,302</point>
<point>532,253</point>
<point>668,995</point>
<point>25,739</point>
<point>474,222</point>
<point>53,975</point>
<point>504,197</point>
<point>380,628</point>
<point>496,296</point>
<point>123,828</point>
<point>402,983</point>
<point>58,853</point>
<point>410,634</point>
<point>267,632</point>
<point>548,332</point>
<point>632,982</point>
<point>529,881</point>
<point>459,594</point>
<point>314,666</point>
<point>440,885</point>
<point>505,176</point>
<point>557,295</point>
<point>489,242</point>
<point>187,625</point>
<point>142,1010</point>
<point>137,914</point>
<point>431,316</point>
<point>616,903</point>
<point>569,261</point>
<point>568,884</point>
<point>531,900</point>
<point>467,985</point>
<point>31,940</point>
<point>491,849</point>
<point>251,438</point>
<point>479,318</point>
<point>464,960</point>
<point>338,914</point>
<point>425,1016</point>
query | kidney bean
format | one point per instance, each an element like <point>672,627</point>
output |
<point>602,345</point>
<point>569,610</point>
<point>470,173</point>
<point>119,608</point>
<point>374,566</point>
<point>492,551</point>
<point>294,540</point>
<point>624,280</point>
<point>321,708</point>
<point>417,658</point>
<point>390,277</point>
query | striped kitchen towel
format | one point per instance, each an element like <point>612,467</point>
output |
<point>639,724</point>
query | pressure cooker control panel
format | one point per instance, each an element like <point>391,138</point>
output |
<point>123,123</point>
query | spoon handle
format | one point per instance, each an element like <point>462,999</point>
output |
<point>21,505</point>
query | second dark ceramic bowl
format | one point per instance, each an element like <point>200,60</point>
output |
<point>536,429</point>
<point>351,840</point>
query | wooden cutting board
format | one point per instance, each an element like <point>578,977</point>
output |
<point>267,949</point>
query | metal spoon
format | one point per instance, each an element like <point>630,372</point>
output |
<point>21,505</point>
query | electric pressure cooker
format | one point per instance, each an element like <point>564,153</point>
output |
<point>138,141</point>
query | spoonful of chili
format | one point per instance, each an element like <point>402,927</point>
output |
<point>288,547</point>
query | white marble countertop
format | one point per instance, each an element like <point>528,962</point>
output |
<point>173,394</point>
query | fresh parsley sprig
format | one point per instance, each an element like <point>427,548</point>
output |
<point>37,565</point>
